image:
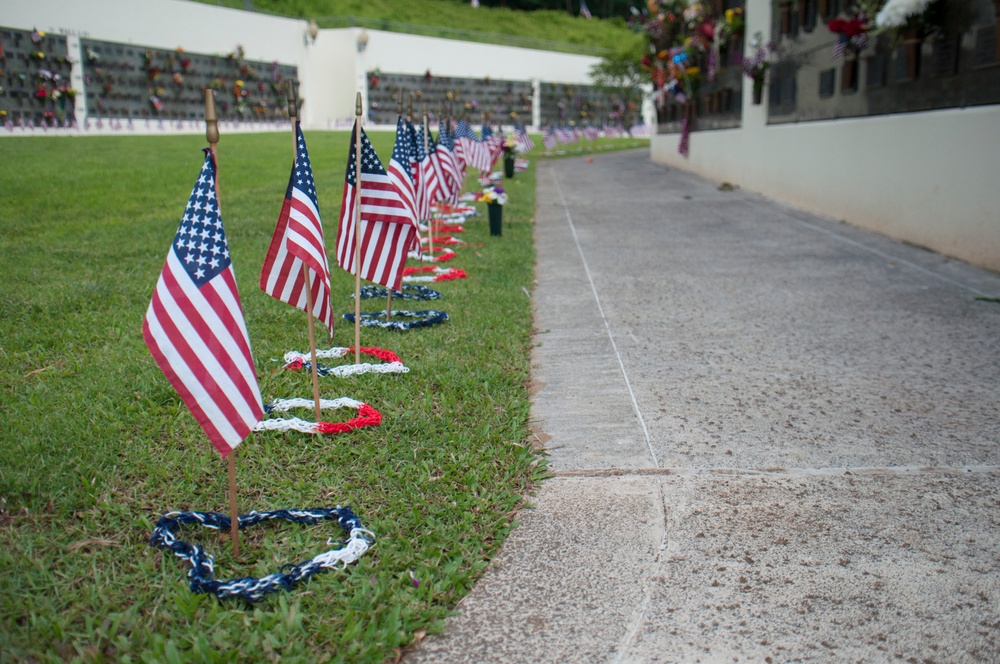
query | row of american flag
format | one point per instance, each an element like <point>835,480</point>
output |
<point>194,325</point>
<point>555,136</point>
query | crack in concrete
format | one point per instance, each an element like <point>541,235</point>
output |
<point>607,326</point>
<point>780,472</point>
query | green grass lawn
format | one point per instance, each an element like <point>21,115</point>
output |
<point>554,29</point>
<point>96,445</point>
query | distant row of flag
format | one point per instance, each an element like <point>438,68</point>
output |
<point>554,136</point>
<point>194,326</point>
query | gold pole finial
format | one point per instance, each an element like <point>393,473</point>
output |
<point>211,118</point>
<point>357,105</point>
<point>293,100</point>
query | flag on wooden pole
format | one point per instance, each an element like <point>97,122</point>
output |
<point>524,142</point>
<point>400,172</point>
<point>298,243</point>
<point>387,225</point>
<point>194,325</point>
<point>432,188</point>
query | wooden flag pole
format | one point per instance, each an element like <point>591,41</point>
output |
<point>430,221</point>
<point>388,296</point>
<point>234,515</point>
<point>212,136</point>
<point>293,111</point>
<point>357,231</point>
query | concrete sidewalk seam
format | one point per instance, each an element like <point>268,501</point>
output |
<point>607,326</point>
<point>861,471</point>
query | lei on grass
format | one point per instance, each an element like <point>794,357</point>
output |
<point>366,417</point>
<point>294,360</point>
<point>407,293</point>
<point>441,241</point>
<point>416,319</point>
<point>446,254</point>
<point>202,572</point>
<point>420,274</point>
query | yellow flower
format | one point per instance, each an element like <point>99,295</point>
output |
<point>693,71</point>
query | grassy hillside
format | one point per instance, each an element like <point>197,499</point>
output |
<point>442,18</point>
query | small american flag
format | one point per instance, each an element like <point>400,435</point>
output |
<point>419,182</point>
<point>493,147</point>
<point>298,243</point>
<point>430,169</point>
<point>194,325</point>
<point>387,224</point>
<point>524,142</point>
<point>549,139</point>
<point>400,173</point>
<point>449,167</point>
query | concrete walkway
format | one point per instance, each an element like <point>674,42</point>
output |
<point>774,437</point>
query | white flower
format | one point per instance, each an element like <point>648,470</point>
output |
<point>896,13</point>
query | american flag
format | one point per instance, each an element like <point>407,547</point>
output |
<point>524,142</point>
<point>387,224</point>
<point>493,147</point>
<point>464,139</point>
<point>430,168</point>
<point>400,174</point>
<point>472,147</point>
<point>298,244</point>
<point>194,325</point>
<point>549,139</point>
<point>449,168</point>
<point>458,154</point>
<point>584,10</point>
<point>416,171</point>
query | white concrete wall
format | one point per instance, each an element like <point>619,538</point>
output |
<point>394,52</point>
<point>930,178</point>
<point>331,70</point>
<point>163,24</point>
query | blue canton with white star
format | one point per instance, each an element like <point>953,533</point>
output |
<point>369,160</point>
<point>418,142</point>
<point>303,178</point>
<point>444,138</point>
<point>403,147</point>
<point>200,243</point>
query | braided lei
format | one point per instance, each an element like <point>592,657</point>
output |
<point>427,257</point>
<point>202,572</point>
<point>407,293</point>
<point>442,240</point>
<point>367,416</point>
<point>294,360</point>
<point>418,319</point>
<point>415,274</point>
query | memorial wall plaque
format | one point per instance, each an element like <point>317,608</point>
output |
<point>899,75</point>
<point>985,52</point>
<point>827,82</point>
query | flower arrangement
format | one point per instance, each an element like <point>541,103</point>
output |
<point>735,21</point>
<point>755,68</point>
<point>852,32</point>
<point>852,35</point>
<point>493,196</point>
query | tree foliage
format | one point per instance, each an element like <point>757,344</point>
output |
<point>620,75</point>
